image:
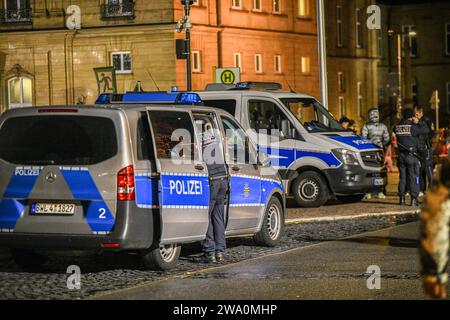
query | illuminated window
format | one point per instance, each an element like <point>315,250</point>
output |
<point>277,64</point>
<point>410,40</point>
<point>238,60</point>
<point>20,92</point>
<point>341,106</point>
<point>257,5</point>
<point>276,6</point>
<point>303,8</point>
<point>258,63</point>
<point>341,82</point>
<point>236,4</point>
<point>196,61</point>
<point>121,62</point>
<point>339,26</point>
<point>305,63</point>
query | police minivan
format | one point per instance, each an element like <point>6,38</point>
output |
<point>118,176</point>
<point>315,156</point>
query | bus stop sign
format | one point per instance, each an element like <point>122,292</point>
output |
<point>228,75</point>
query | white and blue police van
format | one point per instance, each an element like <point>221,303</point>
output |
<point>117,176</point>
<point>314,155</point>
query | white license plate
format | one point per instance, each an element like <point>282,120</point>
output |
<point>53,208</point>
<point>378,182</point>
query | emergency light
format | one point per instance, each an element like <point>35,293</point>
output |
<point>150,97</point>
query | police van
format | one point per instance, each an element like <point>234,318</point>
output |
<point>116,176</point>
<point>315,156</point>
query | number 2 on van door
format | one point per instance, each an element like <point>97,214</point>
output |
<point>102,212</point>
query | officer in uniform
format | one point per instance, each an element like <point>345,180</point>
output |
<point>214,244</point>
<point>434,235</point>
<point>408,131</point>
<point>425,151</point>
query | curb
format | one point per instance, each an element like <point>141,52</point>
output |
<point>350,217</point>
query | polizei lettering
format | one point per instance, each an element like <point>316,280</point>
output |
<point>185,187</point>
<point>27,171</point>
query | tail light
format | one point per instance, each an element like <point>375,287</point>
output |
<point>125,184</point>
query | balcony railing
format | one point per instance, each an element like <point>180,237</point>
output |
<point>12,16</point>
<point>119,10</point>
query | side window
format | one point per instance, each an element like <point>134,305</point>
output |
<point>239,149</point>
<point>265,116</point>
<point>174,135</point>
<point>144,139</point>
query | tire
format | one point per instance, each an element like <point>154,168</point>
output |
<point>310,190</point>
<point>273,224</point>
<point>28,260</point>
<point>351,199</point>
<point>163,257</point>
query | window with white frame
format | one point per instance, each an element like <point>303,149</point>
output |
<point>360,99</point>
<point>258,63</point>
<point>303,8</point>
<point>196,61</point>
<point>20,92</point>
<point>257,6</point>
<point>447,39</point>
<point>238,60</point>
<point>410,40</point>
<point>277,63</point>
<point>306,65</point>
<point>341,82</point>
<point>359,28</point>
<point>236,4</point>
<point>341,106</point>
<point>339,25</point>
<point>122,61</point>
<point>276,6</point>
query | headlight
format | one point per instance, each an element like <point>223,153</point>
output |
<point>346,156</point>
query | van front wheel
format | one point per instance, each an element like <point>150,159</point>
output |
<point>163,257</point>
<point>310,190</point>
<point>273,224</point>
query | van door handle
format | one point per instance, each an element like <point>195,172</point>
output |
<point>235,168</point>
<point>199,167</point>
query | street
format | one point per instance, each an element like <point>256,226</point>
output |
<point>328,270</point>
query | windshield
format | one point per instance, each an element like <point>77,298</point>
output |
<point>312,115</point>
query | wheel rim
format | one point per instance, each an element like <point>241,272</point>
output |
<point>273,222</point>
<point>309,190</point>
<point>168,252</point>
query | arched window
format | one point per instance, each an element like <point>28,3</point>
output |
<point>20,92</point>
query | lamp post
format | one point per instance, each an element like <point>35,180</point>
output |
<point>399,65</point>
<point>185,23</point>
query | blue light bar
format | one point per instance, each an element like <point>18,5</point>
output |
<point>150,97</point>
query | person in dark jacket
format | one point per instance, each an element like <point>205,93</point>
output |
<point>425,151</point>
<point>407,132</point>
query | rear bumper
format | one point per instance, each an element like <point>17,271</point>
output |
<point>355,180</point>
<point>134,229</point>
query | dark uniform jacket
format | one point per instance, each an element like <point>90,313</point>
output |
<point>408,134</point>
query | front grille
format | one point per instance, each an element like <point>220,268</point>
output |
<point>373,158</point>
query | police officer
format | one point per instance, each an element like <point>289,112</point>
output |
<point>425,150</point>
<point>214,244</point>
<point>408,131</point>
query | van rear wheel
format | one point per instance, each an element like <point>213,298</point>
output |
<point>28,259</point>
<point>273,225</point>
<point>163,257</point>
<point>310,190</point>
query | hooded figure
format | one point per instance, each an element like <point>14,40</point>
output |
<point>375,131</point>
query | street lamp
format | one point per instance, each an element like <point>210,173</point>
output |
<point>185,23</point>
<point>411,33</point>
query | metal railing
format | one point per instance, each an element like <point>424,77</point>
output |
<point>15,16</point>
<point>119,10</point>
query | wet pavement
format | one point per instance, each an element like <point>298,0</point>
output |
<point>118,271</point>
<point>334,269</point>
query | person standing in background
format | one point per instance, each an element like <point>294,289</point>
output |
<point>426,151</point>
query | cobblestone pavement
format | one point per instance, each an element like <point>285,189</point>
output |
<point>120,270</point>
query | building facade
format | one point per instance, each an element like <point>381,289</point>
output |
<point>424,27</point>
<point>42,62</point>
<point>353,57</point>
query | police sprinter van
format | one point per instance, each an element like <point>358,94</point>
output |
<point>103,177</point>
<point>315,156</point>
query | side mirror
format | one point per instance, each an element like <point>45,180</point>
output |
<point>263,159</point>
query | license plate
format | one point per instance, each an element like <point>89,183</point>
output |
<point>378,182</point>
<point>53,208</point>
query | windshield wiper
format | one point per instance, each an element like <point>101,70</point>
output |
<point>41,162</point>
